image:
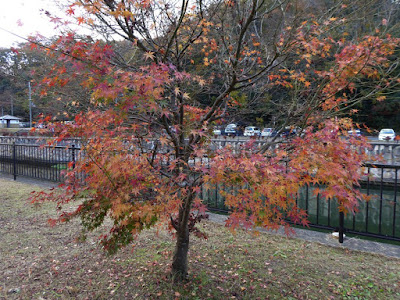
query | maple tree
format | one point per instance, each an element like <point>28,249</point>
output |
<point>145,138</point>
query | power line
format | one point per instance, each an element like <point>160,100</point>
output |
<point>14,34</point>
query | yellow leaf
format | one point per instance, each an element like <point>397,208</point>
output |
<point>202,82</point>
<point>381,98</point>
<point>149,55</point>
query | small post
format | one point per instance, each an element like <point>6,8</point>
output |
<point>73,156</point>
<point>341,226</point>
<point>14,161</point>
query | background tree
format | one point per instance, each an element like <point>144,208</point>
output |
<point>29,64</point>
<point>189,65</point>
<point>13,83</point>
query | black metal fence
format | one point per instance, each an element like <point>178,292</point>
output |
<point>41,162</point>
<point>379,217</point>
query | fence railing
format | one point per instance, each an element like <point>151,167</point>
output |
<point>41,162</point>
<point>379,217</point>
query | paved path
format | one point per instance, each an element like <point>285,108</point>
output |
<point>308,235</point>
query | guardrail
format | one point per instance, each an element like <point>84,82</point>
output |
<point>390,150</point>
<point>38,140</point>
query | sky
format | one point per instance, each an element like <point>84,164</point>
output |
<point>25,17</point>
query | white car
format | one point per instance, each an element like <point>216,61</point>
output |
<point>217,131</point>
<point>267,132</point>
<point>251,131</point>
<point>386,134</point>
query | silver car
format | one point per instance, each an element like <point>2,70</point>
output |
<point>267,132</point>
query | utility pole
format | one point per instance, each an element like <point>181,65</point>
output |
<point>30,105</point>
<point>12,106</point>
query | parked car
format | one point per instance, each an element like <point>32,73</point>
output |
<point>288,131</point>
<point>268,132</point>
<point>386,134</point>
<point>217,131</point>
<point>24,124</point>
<point>356,132</point>
<point>231,129</point>
<point>251,131</point>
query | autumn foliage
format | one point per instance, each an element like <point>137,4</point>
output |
<point>145,141</point>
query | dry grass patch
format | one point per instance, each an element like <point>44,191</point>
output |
<point>40,262</point>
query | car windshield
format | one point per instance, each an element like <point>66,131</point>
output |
<point>387,131</point>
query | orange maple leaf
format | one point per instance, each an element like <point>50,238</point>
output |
<point>81,20</point>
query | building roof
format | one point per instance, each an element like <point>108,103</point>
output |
<point>8,117</point>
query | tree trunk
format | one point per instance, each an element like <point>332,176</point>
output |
<point>180,259</point>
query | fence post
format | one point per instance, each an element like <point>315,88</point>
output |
<point>14,161</point>
<point>73,156</point>
<point>341,226</point>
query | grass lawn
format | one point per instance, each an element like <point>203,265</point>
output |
<point>40,262</point>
